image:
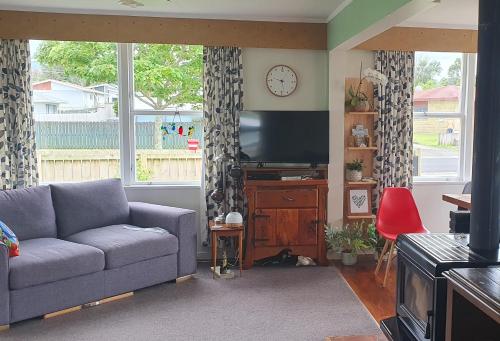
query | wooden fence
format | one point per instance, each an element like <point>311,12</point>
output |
<point>69,165</point>
<point>106,135</point>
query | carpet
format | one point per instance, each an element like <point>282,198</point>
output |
<point>267,303</point>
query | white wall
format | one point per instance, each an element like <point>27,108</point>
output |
<point>312,86</point>
<point>434,212</point>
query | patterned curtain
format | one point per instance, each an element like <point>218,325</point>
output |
<point>18,164</point>
<point>222,102</point>
<point>393,166</point>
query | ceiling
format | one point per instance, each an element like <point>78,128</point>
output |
<point>448,14</point>
<point>273,10</point>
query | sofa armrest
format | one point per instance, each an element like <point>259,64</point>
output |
<point>178,221</point>
<point>4,285</point>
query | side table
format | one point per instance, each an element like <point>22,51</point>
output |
<point>223,230</point>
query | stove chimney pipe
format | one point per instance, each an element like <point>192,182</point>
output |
<point>485,212</point>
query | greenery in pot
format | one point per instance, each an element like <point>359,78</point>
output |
<point>357,100</point>
<point>354,170</point>
<point>333,241</point>
<point>374,240</point>
<point>352,241</point>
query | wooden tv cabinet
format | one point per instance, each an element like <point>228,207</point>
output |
<point>286,214</point>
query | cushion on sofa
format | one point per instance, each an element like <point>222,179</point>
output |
<point>29,212</point>
<point>46,260</point>
<point>87,205</point>
<point>127,244</point>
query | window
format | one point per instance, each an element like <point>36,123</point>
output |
<point>166,113</point>
<point>441,114</point>
<point>108,110</point>
<point>76,130</point>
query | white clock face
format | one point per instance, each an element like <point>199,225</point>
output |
<point>281,80</point>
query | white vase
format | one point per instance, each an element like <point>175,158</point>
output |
<point>349,258</point>
<point>354,175</point>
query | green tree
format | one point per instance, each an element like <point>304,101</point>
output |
<point>455,73</point>
<point>164,75</point>
<point>426,71</point>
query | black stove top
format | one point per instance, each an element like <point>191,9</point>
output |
<point>439,252</point>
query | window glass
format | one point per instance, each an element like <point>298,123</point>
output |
<point>168,147</point>
<point>168,82</point>
<point>438,114</point>
<point>75,101</point>
<point>438,82</point>
<point>436,146</point>
<point>168,77</point>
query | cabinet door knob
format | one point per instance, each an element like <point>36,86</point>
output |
<point>287,198</point>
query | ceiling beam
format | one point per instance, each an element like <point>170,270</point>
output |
<point>423,39</point>
<point>129,29</point>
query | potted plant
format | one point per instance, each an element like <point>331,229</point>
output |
<point>357,100</point>
<point>375,242</point>
<point>354,170</point>
<point>353,241</point>
<point>333,242</point>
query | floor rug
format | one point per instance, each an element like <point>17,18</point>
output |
<point>267,303</point>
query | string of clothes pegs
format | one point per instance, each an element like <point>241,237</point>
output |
<point>176,128</point>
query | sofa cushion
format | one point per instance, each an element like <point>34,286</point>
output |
<point>127,244</point>
<point>87,205</point>
<point>46,260</point>
<point>29,212</point>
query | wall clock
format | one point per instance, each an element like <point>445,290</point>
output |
<point>281,80</point>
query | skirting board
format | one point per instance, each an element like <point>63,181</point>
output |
<point>62,312</point>
<point>4,328</point>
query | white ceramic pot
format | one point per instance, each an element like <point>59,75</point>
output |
<point>349,258</point>
<point>354,175</point>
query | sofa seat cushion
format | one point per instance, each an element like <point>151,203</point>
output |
<point>128,244</point>
<point>46,260</point>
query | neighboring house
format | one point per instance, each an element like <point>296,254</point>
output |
<point>55,100</point>
<point>443,99</point>
<point>111,91</point>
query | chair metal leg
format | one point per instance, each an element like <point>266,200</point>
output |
<point>389,261</point>
<point>381,256</point>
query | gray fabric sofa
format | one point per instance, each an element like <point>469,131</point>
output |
<point>83,242</point>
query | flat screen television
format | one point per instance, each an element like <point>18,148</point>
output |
<point>296,137</point>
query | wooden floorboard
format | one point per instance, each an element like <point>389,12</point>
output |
<point>380,301</point>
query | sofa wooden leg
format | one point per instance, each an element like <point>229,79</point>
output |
<point>62,312</point>
<point>4,328</point>
<point>109,299</point>
<point>184,278</point>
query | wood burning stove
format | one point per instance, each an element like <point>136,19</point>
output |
<point>421,287</point>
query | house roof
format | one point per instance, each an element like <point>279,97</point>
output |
<point>449,92</point>
<point>71,85</point>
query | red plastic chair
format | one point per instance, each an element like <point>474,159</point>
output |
<point>396,215</point>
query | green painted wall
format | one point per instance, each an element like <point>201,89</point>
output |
<point>358,16</point>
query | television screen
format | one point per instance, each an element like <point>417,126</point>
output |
<point>284,136</point>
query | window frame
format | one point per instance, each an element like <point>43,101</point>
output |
<point>465,114</point>
<point>128,113</point>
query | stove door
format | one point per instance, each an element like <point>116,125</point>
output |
<point>415,298</point>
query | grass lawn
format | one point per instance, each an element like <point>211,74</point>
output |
<point>430,140</point>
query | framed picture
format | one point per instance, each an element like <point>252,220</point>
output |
<point>359,201</point>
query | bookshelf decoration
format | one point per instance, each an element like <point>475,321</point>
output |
<point>360,144</point>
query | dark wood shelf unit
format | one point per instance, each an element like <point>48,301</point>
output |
<point>286,214</point>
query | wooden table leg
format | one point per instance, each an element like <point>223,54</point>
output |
<point>214,252</point>
<point>241,252</point>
